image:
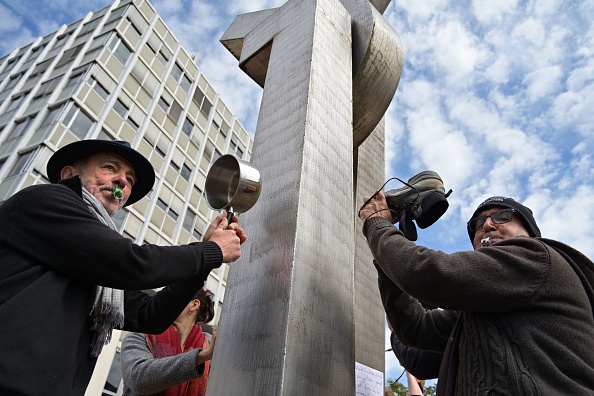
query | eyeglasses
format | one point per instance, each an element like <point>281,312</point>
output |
<point>499,217</point>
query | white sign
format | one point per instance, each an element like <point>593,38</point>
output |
<point>368,381</point>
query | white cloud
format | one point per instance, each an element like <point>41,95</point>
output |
<point>542,82</point>
<point>492,13</point>
<point>568,217</point>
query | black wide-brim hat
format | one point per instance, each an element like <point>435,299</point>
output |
<point>69,154</point>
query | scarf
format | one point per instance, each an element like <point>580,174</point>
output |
<point>108,305</point>
<point>167,344</point>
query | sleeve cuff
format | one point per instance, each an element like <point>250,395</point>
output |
<point>212,255</point>
<point>375,222</point>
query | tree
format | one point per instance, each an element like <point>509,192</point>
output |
<point>397,387</point>
<point>401,390</point>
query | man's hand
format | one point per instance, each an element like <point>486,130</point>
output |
<point>228,237</point>
<point>216,223</point>
<point>376,207</point>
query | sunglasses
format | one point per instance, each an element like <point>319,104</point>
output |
<point>499,217</point>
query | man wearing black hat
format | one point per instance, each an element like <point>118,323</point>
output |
<point>517,313</point>
<point>67,277</point>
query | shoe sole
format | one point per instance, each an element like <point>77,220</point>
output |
<point>424,182</point>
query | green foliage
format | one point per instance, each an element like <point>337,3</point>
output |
<point>401,390</point>
<point>397,387</point>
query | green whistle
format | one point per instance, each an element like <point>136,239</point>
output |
<point>117,193</point>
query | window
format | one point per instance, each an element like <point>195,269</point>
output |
<point>89,27</point>
<point>97,45</point>
<point>75,79</point>
<point>23,162</point>
<point>190,224</point>
<point>118,218</point>
<point>11,63</point>
<point>223,128</point>
<point>137,30</point>
<point>61,40</point>
<point>235,146</point>
<point>13,81</point>
<point>171,107</point>
<point>124,112</point>
<point>46,89</point>
<point>119,49</point>
<point>120,108</point>
<point>145,78</point>
<point>182,79</point>
<point>20,128</point>
<point>51,117</point>
<point>97,87</point>
<point>167,209</point>
<point>160,51</point>
<point>69,56</point>
<point>114,377</point>
<point>187,127</point>
<point>114,18</point>
<point>41,67</point>
<point>78,122</point>
<point>157,140</point>
<point>202,101</point>
<point>16,101</point>
<point>185,172</point>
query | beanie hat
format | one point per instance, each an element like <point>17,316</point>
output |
<point>523,212</point>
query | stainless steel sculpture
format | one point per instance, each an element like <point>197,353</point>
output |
<point>302,305</point>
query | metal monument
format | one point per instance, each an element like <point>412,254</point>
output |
<point>301,305</point>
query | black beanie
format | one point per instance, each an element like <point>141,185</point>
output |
<point>522,211</point>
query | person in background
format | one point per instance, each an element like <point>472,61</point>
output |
<point>61,254</point>
<point>173,363</point>
<point>517,313</point>
<point>415,386</point>
<point>420,364</point>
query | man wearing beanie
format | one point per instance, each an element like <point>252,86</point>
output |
<point>516,315</point>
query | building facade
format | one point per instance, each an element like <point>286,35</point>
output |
<point>119,73</point>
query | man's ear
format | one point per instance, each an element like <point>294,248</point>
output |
<point>68,171</point>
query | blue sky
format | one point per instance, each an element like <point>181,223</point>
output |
<point>497,97</point>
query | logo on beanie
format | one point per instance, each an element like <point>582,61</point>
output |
<point>492,199</point>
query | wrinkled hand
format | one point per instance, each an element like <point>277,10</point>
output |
<point>213,226</point>
<point>216,223</point>
<point>228,237</point>
<point>376,207</point>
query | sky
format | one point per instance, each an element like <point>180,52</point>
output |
<point>497,97</point>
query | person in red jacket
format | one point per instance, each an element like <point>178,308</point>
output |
<point>175,362</point>
<point>67,277</point>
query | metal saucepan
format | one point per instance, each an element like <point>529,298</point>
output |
<point>232,185</point>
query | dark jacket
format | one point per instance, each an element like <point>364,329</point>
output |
<point>53,253</point>
<point>422,364</point>
<point>526,322</point>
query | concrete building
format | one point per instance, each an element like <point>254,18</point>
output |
<point>119,73</point>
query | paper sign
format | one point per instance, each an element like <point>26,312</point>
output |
<point>368,381</point>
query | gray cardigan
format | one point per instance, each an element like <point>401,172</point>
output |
<point>527,326</point>
<point>144,374</point>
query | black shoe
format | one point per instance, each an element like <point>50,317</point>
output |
<point>423,199</point>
